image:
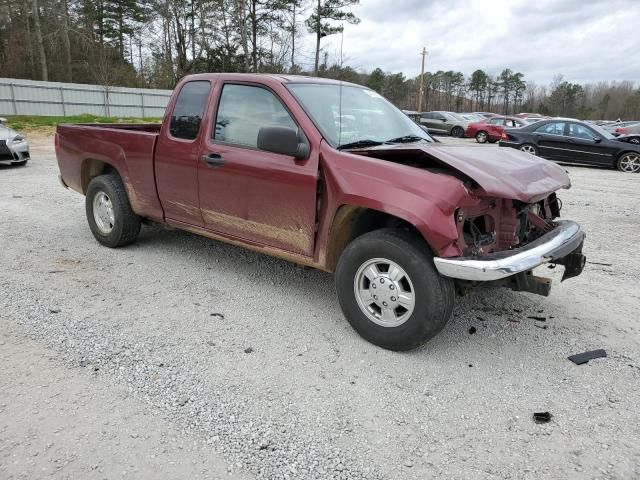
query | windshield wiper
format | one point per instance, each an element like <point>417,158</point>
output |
<point>359,143</point>
<point>407,139</point>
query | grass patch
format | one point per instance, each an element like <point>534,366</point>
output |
<point>33,123</point>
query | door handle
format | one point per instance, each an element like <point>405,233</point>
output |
<point>213,160</point>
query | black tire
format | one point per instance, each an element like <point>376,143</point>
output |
<point>126,224</point>
<point>482,137</point>
<point>434,293</point>
<point>531,146</point>
<point>457,132</point>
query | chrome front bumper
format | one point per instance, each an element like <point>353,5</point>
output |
<point>552,247</point>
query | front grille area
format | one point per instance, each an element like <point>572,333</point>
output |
<point>5,153</point>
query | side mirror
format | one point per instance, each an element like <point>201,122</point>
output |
<point>283,140</point>
<point>597,139</point>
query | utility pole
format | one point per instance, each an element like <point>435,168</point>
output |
<point>421,87</point>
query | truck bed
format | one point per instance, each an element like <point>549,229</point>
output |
<point>83,149</point>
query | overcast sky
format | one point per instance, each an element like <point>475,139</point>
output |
<point>585,40</point>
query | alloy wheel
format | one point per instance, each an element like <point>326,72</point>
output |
<point>630,162</point>
<point>384,292</point>
<point>103,212</point>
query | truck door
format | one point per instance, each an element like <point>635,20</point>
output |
<point>178,153</point>
<point>257,196</point>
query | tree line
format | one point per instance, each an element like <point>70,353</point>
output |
<point>154,43</point>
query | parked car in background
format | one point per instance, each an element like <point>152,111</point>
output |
<point>445,123</point>
<point>472,117</point>
<point>633,138</point>
<point>486,114</point>
<point>613,126</point>
<point>259,161</point>
<point>415,116</point>
<point>573,141</point>
<point>627,129</point>
<point>14,149</point>
<point>490,129</point>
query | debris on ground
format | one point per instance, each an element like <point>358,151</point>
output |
<point>580,358</point>
<point>472,330</point>
<point>542,417</point>
<point>513,320</point>
<point>84,363</point>
<point>537,318</point>
<point>248,350</point>
<point>54,310</point>
<point>543,327</point>
<point>600,263</point>
<point>217,315</point>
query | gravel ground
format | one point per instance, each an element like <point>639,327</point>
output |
<point>169,321</point>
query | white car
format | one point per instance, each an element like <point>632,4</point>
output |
<point>14,149</point>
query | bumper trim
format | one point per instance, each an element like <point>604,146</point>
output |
<point>566,238</point>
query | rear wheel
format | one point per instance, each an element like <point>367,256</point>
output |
<point>629,162</point>
<point>457,132</point>
<point>482,137</point>
<point>390,291</point>
<point>109,213</point>
<point>529,148</point>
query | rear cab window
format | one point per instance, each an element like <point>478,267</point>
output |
<point>189,110</point>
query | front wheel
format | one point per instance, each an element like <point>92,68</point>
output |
<point>482,137</point>
<point>529,148</point>
<point>111,219</point>
<point>629,162</point>
<point>390,291</point>
<point>457,132</point>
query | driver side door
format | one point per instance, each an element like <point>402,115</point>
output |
<point>260,197</point>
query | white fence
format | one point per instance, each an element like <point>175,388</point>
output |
<point>30,97</point>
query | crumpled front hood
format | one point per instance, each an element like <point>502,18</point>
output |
<point>500,172</point>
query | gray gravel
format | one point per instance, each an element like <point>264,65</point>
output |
<point>311,399</point>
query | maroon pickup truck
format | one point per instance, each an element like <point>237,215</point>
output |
<point>329,175</point>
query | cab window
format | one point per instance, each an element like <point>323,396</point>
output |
<point>244,110</point>
<point>189,109</point>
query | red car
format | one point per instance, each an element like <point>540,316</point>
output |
<point>490,130</point>
<point>329,175</point>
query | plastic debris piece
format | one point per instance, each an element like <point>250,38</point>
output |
<point>580,358</point>
<point>542,417</point>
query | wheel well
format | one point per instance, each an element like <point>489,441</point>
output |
<point>92,168</point>
<point>351,221</point>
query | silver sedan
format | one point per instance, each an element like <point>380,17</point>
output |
<point>14,149</point>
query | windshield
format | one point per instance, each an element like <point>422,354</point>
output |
<point>602,132</point>
<point>349,114</point>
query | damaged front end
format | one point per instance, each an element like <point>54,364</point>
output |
<point>502,241</point>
